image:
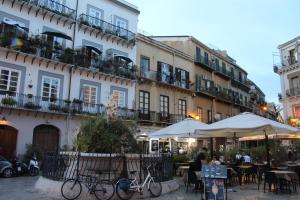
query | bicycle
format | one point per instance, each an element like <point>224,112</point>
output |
<point>125,188</point>
<point>103,189</point>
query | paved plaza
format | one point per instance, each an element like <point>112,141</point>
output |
<point>23,188</point>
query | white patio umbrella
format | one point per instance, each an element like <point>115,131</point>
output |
<point>246,124</point>
<point>184,128</point>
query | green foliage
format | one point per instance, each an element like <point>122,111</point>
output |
<point>100,136</point>
<point>30,150</point>
<point>230,154</point>
<point>180,158</point>
<point>8,101</point>
<point>53,107</point>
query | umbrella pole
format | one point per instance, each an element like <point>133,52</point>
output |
<point>211,148</point>
<point>267,149</point>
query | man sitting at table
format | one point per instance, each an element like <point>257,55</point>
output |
<point>247,158</point>
<point>200,159</point>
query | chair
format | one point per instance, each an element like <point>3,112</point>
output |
<point>192,179</point>
<point>270,178</point>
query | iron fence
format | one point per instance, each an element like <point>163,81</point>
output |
<point>64,165</point>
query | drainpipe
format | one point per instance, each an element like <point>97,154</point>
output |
<point>70,77</point>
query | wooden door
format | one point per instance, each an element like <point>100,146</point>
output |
<point>8,141</point>
<point>46,138</point>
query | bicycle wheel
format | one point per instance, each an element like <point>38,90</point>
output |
<point>155,188</point>
<point>123,189</point>
<point>104,190</point>
<point>71,189</point>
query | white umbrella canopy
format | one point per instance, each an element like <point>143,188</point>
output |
<point>184,128</point>
<point>245,124</point>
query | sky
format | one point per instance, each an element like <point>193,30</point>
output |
<point>250,30</point>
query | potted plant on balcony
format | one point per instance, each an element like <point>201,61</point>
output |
<point>67,56</point>
<point>9,101</point>
<point>77,106</point>
<point>31,105</point>
<point>66,107</point>
<point>53,107</point>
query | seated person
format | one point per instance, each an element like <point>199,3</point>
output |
<point>215,161</point>
<point>247,159</point>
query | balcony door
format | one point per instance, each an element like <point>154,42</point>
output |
<point>96,16</point>
<point>89,98</point>
<point>144,105</point>
<point>295,86</point>
<point>164,108</point>
<point>50,91</point>
<point>145,67</point>
<point>181,109</point>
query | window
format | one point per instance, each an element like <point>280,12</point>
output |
<point>145,67</point>
<point>200,113</point>
<point>9,81</point>
<point>297,111</point>
<point>198,54</point>
<point>144,102</point>
<point>50,89</point>
<point>164,106</point>
<point>89,94</point>
<point>217,64</point>
<point>209,116</point>
<point>232,72</point>
<point>56,5</point>
<point>206,58</point>
<point>223,67</point>
<point>218,116</point>
<point>165,72</point>
<point>182,107</point>
<point>121,98</point>
<point>295,83</point>
<point>182,78</point>
<point>291,57</point>
<point>240,77</point>
<point>121,26</point>
<point>96,16</point>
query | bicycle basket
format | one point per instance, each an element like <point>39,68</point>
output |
<point>124,184</point>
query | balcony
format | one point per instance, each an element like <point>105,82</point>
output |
<point>158,117</point>
<point>207,91</point>
<point>293,92</point>
<point>241,84</point>
<point>39,48</point>
<point>103,28</point>
<point>164,79</point>
<point>221,71</point>
<point>49,8</point>
<point>28,102</point>
<point>52,105</point>
<point>204,62</point>
<point>224,95</point>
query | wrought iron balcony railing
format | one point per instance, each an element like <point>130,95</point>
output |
<point>164,78</point>
<point>107,28</point>
<point>53,105</point>
<point>40,47</point>
<point>159,117</point>
<point>53,6</point>
<point>293,92</point>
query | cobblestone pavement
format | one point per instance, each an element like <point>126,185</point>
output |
<point>23,188</point>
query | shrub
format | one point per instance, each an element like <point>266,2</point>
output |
<point>180,158</point>
<point>9,101</point>
<point>31,105</point>
<point>53,107</point>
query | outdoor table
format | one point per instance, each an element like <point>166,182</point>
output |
<point>242,171</point>
<point>183,169</point>
<point>287,175</point>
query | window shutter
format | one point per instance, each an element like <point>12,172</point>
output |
<point>187,79</point>
<point>198,54</point>
<point>159,71</point>
<point>177,74</point>
<point>171,74</point>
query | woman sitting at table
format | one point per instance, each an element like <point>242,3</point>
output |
<point>215,161</point>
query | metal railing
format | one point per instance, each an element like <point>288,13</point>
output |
<point>107,166</point>
<point>164,78</point>
<point>45,104</point>
<point>107,28</point>
<point>204,60</point>
<point>53,6</point>
<point>39,46</point>
<point>158,117</point>
<point>293,91</point>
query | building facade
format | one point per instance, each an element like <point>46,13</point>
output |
<point>60,61</point>
<point>289,72</point>
<point>181,77</point>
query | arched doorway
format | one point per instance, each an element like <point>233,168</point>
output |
<point>8,141</point>
<point>46,138</point>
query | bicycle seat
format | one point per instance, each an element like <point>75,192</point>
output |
<point>132,172</point>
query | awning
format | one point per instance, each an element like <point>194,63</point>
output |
<point>57,34</point>
<point>14,23</point>
<point>98,51</point>
<point>128,60</point>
